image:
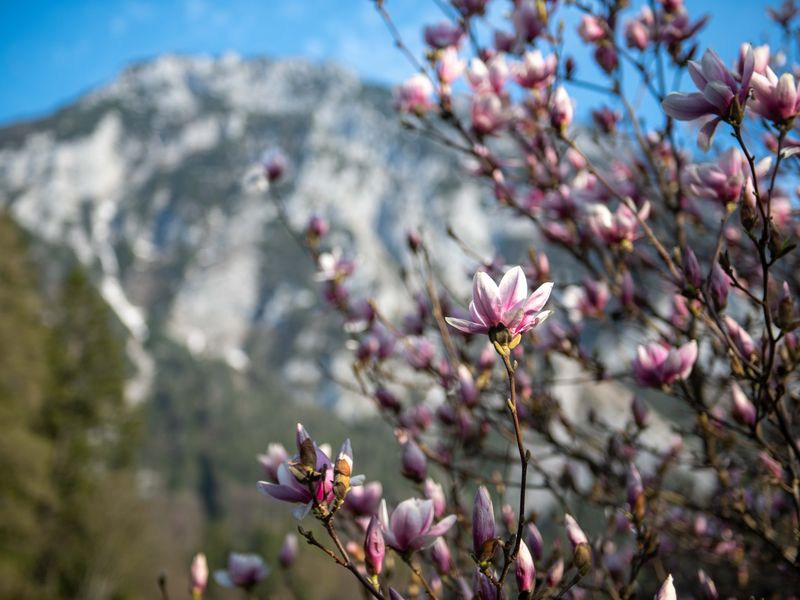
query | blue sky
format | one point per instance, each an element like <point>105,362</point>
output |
<point>49,56</point>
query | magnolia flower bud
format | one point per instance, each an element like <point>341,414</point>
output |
<point>667,590</point>
<point>433,491</point>
<point>742,409</point>
<point>414,464</point>
<point>785,317</point>
<point>525,570</point>
<point>561,110</point>
<point>483,525</point>
<point>581,551</point>
<point>574,532</point>
<point>387,400</point>
<point>640,412</point>
<point>289,551</point>
<point>627,292</point>
<point>440,553</point>
<point>635,491</point>
<point>707,588</point>
<point>374,547</point>
<point>316,227</point>
<point>720,285</point>
<point>199,575</point>
<point>535,541</point>
<point>275,166</point>
<point>466,386</point>
<point>691,269</point>
<point>555,573</point>
<point>606,56</point>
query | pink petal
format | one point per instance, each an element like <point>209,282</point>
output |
<point>718,94</point>
<point>706,134</point>
<point>282,492</point>
<point>539,298</point>
<point>687,107</point>
<point>688,354</point>
<point>513,288</point>
<point>486,297</point>
<point>443,526</point>
<point>696,73</point>
<point>466,326</point>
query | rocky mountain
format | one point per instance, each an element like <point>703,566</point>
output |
<point>146,181</point>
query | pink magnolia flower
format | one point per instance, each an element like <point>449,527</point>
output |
<point>415,95</point>
<point>295,483</point>
<point>449,67</point>
<point>470,8</point>
<point>721,96</point>
<point>333,266</point>
<point>487,113</point>
<point>561,109</point>
<point>657,364</point>
<point>777,99</point>
<point>527,20</point>
<point>244,571</point>
<point>592,29</point>
<point>442,35</point>
<point>721,181</point>
<point>678,27</point>
<point>638,31</point>
<point>535,71</point>
<point>411,526</point>
<point>618,228</point>
<point>506,307</point>
<point>499,71</point>
<point>606,119</point>
<point>365,499</point>
<point>760,59</point>
<point>199,575</point>
<point>272,459</point>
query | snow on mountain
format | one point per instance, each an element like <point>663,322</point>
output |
<point>143,180</point>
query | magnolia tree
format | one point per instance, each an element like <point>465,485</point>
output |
<point>681,254</point>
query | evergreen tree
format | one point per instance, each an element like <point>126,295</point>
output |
<point>25,457</point>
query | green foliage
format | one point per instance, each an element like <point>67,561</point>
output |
<point>68,513</point>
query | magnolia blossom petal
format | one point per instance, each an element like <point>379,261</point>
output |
<point>443,526</point>
<point>687,107</point>
<point>539,298</point>
<point>282,492</point>
<point>466,326</point>
<point>486,296</point>
<point>513,288</point>
<point>688,356</point>
<point>706,133</point>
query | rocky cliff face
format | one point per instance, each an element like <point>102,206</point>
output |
<point>146,181</point>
